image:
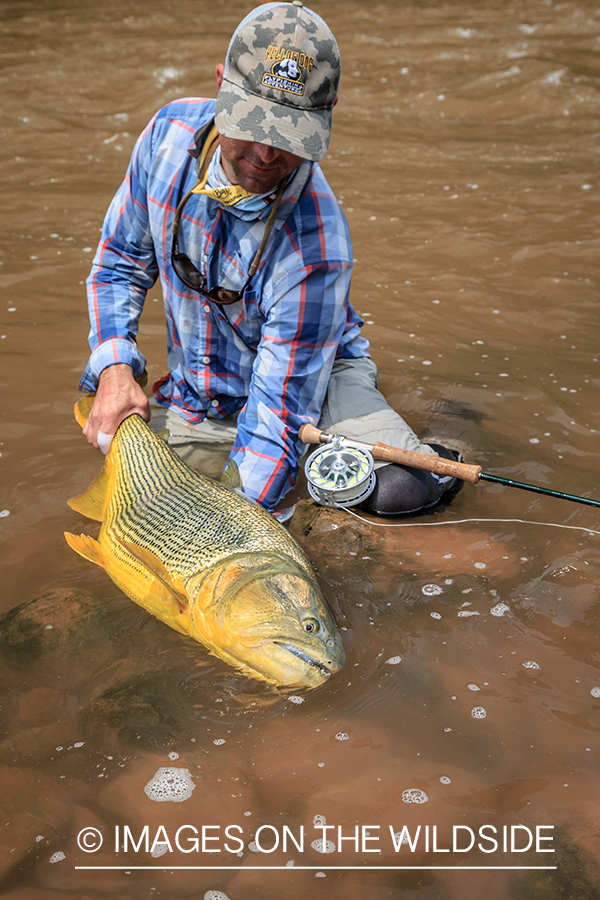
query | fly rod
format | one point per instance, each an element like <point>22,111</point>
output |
<point>308,434</point>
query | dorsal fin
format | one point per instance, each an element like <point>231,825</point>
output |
<point>173,583</point>
<point>92,503</point>
<point>231,475</point>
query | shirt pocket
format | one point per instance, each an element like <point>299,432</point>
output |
<point>247,319</point>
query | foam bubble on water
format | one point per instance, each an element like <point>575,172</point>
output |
<point>402,837</point>
<point>322,846</point>
<point>431,590</point>
<point>78,744</point>
<point>219,742</point>
<point>294,699</point>
<point>435,615</point>
<point>320,875</point>
<point>252,847</point>
<point>393,661</point>
<point>215,895</point>
<point>57,857</point>
<point>39,837</point>
<point>169,73</point>
<point>530,664</point>
<point>445,780</point>
<point>595,692</point>
<point>170,785</point>
<point>473,687</point>
<point>480,565</point>
<point>478,712</point>
<point>4,513</point>
<point>464,613</point>
<point>159,850</point>
<point>414,795</point>
<point>500,609</point>
<point>173,755</point>
<point>319,821</point>
<point>448,556</point>
<point>342,736</point>
<point>289,864</point>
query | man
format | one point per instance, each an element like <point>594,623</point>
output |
<point>226,204</point>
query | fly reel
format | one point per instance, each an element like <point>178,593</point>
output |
<point>338,475</point>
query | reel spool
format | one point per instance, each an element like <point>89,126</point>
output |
<point>339,476</point>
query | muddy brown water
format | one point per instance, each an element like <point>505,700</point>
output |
<point>465,155</point>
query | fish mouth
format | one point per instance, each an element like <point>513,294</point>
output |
<point>310,660</point>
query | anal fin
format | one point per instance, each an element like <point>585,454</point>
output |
<point>87,547</point>
<point>93,501</point>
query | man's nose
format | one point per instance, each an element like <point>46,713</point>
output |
<point>267,154</point>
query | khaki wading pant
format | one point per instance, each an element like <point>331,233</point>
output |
<point>353,407</point>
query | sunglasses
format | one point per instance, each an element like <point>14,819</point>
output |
<point>187,272</point>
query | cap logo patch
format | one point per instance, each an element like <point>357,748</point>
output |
<point>287,69</point>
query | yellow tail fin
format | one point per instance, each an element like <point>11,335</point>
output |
<point>87,547</point>
<point>83,407</point>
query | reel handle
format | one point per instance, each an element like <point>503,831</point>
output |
<point>308,434</point>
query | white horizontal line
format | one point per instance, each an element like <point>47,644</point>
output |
<point>310,868</point>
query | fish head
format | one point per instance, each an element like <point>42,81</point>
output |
<point>265,615</point>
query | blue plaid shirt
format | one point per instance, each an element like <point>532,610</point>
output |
<point>268,355</point>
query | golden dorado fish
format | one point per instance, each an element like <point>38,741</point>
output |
<point>207,561</point>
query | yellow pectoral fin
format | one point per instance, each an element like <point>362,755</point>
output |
<point>171,581</point>
<point>87,547</point>
<point>93,501</point>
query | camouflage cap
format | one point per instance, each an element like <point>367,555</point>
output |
<point>280,81</point>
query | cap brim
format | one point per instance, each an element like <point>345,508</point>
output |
<point>247,117</point>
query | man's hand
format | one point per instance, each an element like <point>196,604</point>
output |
<point>117,397</point>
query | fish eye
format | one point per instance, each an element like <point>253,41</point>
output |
<point>311,625</point>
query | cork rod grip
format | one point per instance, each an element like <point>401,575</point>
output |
<point>428,463</point>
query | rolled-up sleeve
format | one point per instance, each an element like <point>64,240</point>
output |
<point>299,341</point>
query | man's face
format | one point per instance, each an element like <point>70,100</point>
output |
<point>257,168</point>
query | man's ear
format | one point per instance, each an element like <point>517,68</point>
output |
<point>219,74</point>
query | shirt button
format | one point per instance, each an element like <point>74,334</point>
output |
<point>207,308</point>
<point>206,360</point>
<point>214,402</point>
